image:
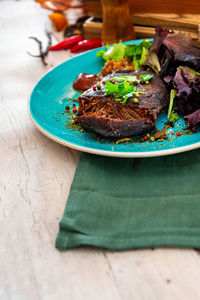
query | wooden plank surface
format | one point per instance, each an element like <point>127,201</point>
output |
<point>153,6</point>
<point>35,178</point>
<point>187,22</point>
<point>144,30</point>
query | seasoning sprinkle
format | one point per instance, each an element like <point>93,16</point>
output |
<point>98,86</point>
<point>135,100</point>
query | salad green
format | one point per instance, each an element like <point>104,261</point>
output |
<point>138,53</point>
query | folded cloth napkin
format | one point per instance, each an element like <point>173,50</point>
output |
<point>120,203</point>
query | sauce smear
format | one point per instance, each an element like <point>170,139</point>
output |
<point>84,81</point>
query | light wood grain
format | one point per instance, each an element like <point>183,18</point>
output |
<point>185,22</point>
<point>147,26</point>
<point>35,178</point>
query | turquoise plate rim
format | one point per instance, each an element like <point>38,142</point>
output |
<point>96,151</point>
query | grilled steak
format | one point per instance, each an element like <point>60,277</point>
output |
<point>104,115</point>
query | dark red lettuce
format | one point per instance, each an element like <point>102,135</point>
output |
<point>186,81</point>
<point>193,119</point>
<point>159,37</point>
<point>183,49</point>
<point>176,57</point>
<point>171,50</point>
<point>152,60</point>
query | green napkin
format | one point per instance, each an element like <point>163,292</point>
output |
<point>120,203</point>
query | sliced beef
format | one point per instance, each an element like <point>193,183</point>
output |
<point>110,118</point>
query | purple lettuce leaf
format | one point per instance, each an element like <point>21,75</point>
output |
<point>182,85</point>
<point>176,57</point>
<point>193,119</point>
<point>186,81</point>
<point>168,79</point>
<point>192,77</point>
<point>159,37</point>
<point>183,49</point>
<point>152,60</point>
<point>168,51</point>
<point>188,105</point>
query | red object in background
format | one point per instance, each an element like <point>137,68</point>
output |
<point>87,45</point>
<point>61,5</point>
<point>67,44</point>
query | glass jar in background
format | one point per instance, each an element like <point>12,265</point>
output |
<point>117,23</point>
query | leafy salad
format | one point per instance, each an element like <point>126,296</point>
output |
<point>138,53</point>
<point>176,59</point>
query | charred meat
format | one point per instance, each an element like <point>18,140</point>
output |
<point>104,115</point>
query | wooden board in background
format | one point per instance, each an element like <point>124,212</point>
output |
<point>142,25</point>
<point>188,22</point>
<point>153,6</point>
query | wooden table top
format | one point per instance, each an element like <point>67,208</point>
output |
<point>35,178</point>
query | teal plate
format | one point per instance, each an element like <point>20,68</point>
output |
<point>49,99</point>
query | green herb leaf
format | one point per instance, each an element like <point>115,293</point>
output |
<point>146,77</point>
<point>132,78</point>
<point>121,91</point>
<point>122,78</point>
<point>171,101</point>
<point>129,95</point>
<point>111,88</point>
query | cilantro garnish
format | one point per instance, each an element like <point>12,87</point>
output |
<point>122,78</point>
<point>132,78</point>
<point>146,77</point>
<point>121,91</point>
